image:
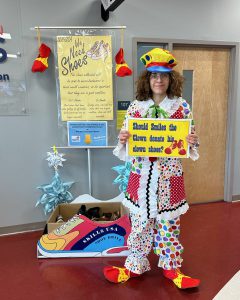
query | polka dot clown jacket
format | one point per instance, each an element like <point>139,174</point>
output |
<point>155,186</point>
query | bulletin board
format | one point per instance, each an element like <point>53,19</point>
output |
<point>13,89</point>
<point>85,77</point>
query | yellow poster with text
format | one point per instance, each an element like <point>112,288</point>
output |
<point>158,137</point>
<point>85,77</point>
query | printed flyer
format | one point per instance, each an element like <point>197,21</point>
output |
<point>158,137</point>
<point>85,77</point>
<point>87,134</point>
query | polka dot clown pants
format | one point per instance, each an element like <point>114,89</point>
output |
<point>163,236</point>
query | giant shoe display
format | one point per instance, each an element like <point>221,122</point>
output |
<point>82,237</point>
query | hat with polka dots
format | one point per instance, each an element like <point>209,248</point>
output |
<point>159,60</point>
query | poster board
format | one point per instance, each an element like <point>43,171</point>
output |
<point>97,34</point>
<point>85,77</point>
<point>158,137</point>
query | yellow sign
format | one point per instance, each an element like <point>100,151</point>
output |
<point>85,77</point>
<point>120,118</point>
<point>122,107</point>
<point>158,137</point>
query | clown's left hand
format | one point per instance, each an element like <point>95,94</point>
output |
<point>193,139</point>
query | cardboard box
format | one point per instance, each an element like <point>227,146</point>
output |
<point>79,236</point>
<point>67,211</point>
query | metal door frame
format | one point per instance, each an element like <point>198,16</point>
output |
<point>232,94</point>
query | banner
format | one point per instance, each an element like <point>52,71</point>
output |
<point>85,77</point>
<point>158,137</point>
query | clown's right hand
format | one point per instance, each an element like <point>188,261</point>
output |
<point>124,136</point>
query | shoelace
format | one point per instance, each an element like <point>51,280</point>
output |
<point>68,223</point>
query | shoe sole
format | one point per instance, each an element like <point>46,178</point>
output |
<point>115,251</point>
<point>190,287</point>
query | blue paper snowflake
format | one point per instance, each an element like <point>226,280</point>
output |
<point>54,193</point>
<point>124,173</point>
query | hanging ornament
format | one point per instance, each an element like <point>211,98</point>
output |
<point>40,64</point>
<point>57,191</point>
<point>55,159</point>
<point>122,69</point>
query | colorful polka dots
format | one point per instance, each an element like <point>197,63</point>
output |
<point>140,243</point>
<point>177,193</point>
<point>133,186</point>
<point>163,236</point>
<point>178,114</point>
<point>169,197</point>
<point>167,245</point>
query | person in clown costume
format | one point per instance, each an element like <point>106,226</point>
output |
<point>155,193</point>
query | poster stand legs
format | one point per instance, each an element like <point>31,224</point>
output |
<point>89,172</point>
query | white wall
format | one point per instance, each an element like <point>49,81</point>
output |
<point>23,164</point>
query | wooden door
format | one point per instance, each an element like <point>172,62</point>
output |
<point>204,179</point>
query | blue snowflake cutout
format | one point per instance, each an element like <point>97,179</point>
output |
<point>124,173</point>
<point>54,193</point>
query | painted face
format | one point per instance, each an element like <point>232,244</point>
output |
<point>159,83</point>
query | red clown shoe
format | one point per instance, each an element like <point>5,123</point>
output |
<point>122,69</point>
<point>40,64</point>
<point>180,280</point>
<point>118,275</point>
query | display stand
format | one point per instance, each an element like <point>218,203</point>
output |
<point>86,148</point>
<point>89,162</point>
<point>78,27</point>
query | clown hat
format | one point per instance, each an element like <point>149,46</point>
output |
<point>158,60</point>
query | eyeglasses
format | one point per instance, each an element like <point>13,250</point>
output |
<point>162,76</point>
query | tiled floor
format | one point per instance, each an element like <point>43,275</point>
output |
<point>211,237</point>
